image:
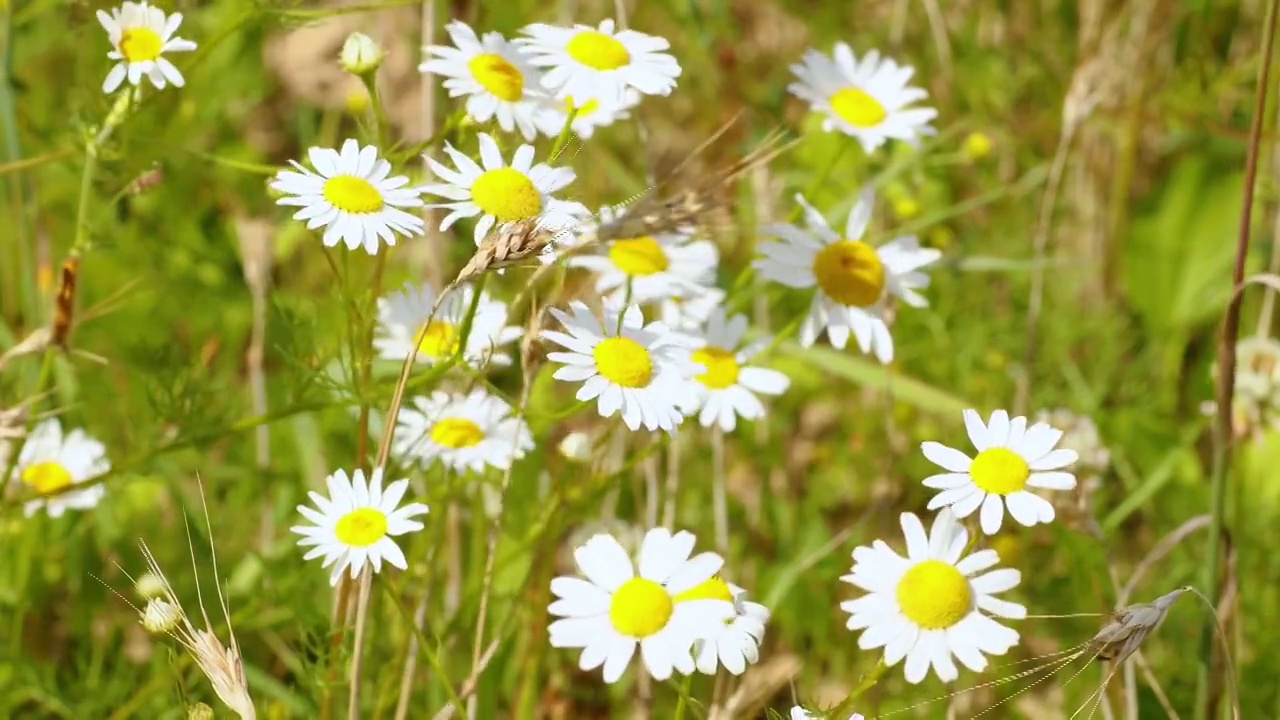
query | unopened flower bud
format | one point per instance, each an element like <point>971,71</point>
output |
<point>360,54</point>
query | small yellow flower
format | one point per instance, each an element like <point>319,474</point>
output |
<point>977,145</point>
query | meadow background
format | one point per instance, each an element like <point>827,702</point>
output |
<point>211,338</point>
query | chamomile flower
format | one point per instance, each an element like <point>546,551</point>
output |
<point>799,713</point>
<point>736,643</point>
<point>620,606</point>
<point>355,524</point>
<point>495,78</point>
<point>1011,457</point>
<point>463,432</point>
<point>869,99</point>
<point>51,463</point>
<point>656,267</point>
<point>351,196</point>
<point>591,114</point>
<point>405,325</point>
<point>639,370</point>
<point>728,387</point>
<point>932,605</point>
<point>600,63</point>
<point>690,313</point>
<point>140,34</point>
<point>854,279</point>
<point>501,193</point>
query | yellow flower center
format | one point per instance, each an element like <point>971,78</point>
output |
<point>456,433</point>
<point>999,470</point>
<point>934,595</point>
<point>352,194</point>
<point>857,107</point>
<point>640,607</point>
<point>597,50</point>
<point>437,339</point>
<point>623,361</point>
<point>638,256</point>
<point>849,272</point>
<point>139,44</point>
<point>46,477</point>
<point>497,75</point>
<point>361,527</point>
<point>507,194</point>
<point>713,588</point>
<point>584,109</point>
<point>722,367</point>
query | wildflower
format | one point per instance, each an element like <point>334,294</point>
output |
<point>587,63</point>
<point>640,370</point>
<point>1011,457</point>
<point>690,313</point>
<point>617,608</point>
<point>736,642</point>
<point>931,605</point>
<point>976,146</point>
<point>576,446</point>
<point>351,196</point>
<point>591,114</point>
<point>50,463</point>
<point>500,193</point>
<point>799,713</point>
<point>495,77</point>
<point>160,616</point>
<point>140,35</point>
<point>405,326</point>
<point>360,54</point>
<point>463,432</point>
<point>854,279</point>
<point>868,100</point>
<point>652,267</point>
<point>354,525</point>
<point>1256,397</point>
<point>728,388</point>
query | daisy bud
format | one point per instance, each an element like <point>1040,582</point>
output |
<point>976,146</point>
<point>160,616</point>
<point>360,54</point>
<point>576,446</point>
<point>149,586</point>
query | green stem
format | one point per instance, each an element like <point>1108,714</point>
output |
<point>846,707</point>
<point>565,131</point>
<point>684,695</point>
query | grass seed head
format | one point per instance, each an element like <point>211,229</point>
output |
<point>1129,626</point>
<point>507,244</point>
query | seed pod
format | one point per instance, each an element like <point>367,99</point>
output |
<point>1129,626</point>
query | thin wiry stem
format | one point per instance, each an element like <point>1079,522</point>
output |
<point>720,506</point>
<point>673,482</point>
<point>1222,434</point>
<point>357,645</point>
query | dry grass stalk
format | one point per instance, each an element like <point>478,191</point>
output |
<point>1129,626</point>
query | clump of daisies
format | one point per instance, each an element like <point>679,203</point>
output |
<point>140,35</point>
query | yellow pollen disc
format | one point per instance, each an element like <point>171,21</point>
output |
<point>713,588</point>
<point>722,367</point>
<point>597,50</point>
<point>934,595</point>
<point>437,339</point>
<point>140,44</point>
<point>638,256</point>
<point>857,107</point>
<point>46,477</point>
<point>507,194</point>
<point>640,607</point>
<point>623,361</point>
<point>584,109</point>
<point>361,527</point>
<point>456,433</point>
<point>497,75</point>
<point>999,470</point>
<point>352,194</point>
<point>850,272</point>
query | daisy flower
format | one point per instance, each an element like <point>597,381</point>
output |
<point>799,713</point>
<point>50,462</point>
<point>690,313</point>
<point>932,604</point>
<point>405,325</point>
<point>495,78</point>
<point>620,605</point>
<point>591,114</point>
<point>640,370</point>
<point>354,525</point>
<point>463,432</point>
<point>736,642</point>
<point>140,35</point>
<point>351,197</point>
<point>656,267</point>
<point>598,63</point>
<point>868,100</point>
<point>499,193</point>
<point>1011,457</point>
<point>854,279</point>
<point>728,387</point>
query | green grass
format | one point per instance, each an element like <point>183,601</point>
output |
<point>1138,278</point>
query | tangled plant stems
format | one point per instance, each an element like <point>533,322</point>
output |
<point>567,560</point>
